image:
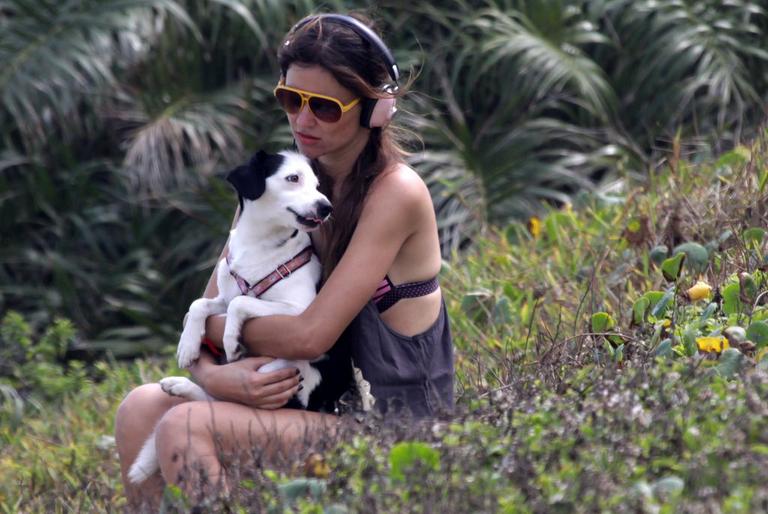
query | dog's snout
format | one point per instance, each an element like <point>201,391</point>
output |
<point>324,209</point>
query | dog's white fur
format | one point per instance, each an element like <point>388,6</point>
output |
<point>259,243</point>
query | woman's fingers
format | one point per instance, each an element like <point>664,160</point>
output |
<point>279,387</point>
<point>276,376</point>
<point>278,400</point>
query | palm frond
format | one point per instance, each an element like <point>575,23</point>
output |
<point>192,133</point>
<point>540,53</point>
<point>703,56</point>
<point>57,54</point>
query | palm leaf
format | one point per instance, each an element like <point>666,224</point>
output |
<point>193,133</point>
<point>57,54</point>
<point>539,50</point>
<point>704,56</point>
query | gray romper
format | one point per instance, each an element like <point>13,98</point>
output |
<point>407,374</point>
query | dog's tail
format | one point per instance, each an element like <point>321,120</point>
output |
<point>146,463</point>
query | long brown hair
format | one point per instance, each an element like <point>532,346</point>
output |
<point>357,66</point>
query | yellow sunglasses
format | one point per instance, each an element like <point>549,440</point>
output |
<point>325,108</point>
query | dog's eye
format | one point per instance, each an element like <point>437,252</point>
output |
<point>292,178</point>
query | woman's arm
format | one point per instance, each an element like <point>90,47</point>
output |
<point>386,222</point>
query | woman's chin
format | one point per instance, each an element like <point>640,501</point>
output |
<point>309,152</point>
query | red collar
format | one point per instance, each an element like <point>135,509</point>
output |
<point>273,278</point>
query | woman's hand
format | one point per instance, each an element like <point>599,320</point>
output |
<point>241,381</point>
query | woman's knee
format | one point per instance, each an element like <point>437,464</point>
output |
<point>182,424</point>
<point>134,407</point>
<point>139,411</point>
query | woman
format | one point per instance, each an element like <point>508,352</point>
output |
<point>334,73</point>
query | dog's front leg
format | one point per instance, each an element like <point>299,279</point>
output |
<point>246,307</point>
<point>189,343</point>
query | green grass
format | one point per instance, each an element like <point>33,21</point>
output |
<point>561,408</point>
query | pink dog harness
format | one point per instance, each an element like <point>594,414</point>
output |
<point>273,278</point>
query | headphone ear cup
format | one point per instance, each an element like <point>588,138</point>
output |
<point>377,112</point>
<point>367,106</point>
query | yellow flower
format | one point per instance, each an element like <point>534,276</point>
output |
<point>712,344</point>
<point>699,291</point>
<point>534,226</point>
<point>315,466</point>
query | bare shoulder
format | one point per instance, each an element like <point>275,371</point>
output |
<point>399,188</point>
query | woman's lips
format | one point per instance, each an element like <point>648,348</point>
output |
<point>306,139</point>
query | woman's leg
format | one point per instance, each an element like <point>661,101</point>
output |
<point>136,417</point>
<point>192,437</point>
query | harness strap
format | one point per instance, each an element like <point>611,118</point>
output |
<point>282,271</point>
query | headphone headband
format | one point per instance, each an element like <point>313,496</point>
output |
<point>364,32</point>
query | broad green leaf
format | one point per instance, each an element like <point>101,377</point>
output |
<point>697,256</point>
<point>602,322</point>
<point>707,313</point>
<point>658,254</point>
<point>731,302</point>
<point>608,348</point>
<point>757,332</point>
<point>664,349</point>
<point>660,308</point>
<point>672,268</point>
<point>640,310</point>
<point>748,290</point>
<point>689,340</point>
<point>616,339</point>
<point>406,455</point>
<point>734,158</point>
<point>731,361</point>
<point>754,236</point>
<point>301,488</point>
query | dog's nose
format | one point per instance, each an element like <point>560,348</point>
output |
<point>324,210</point>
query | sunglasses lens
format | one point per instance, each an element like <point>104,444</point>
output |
<point>325,110</point>
<point>290,101</point>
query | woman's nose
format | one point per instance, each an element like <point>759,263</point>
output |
<point>304,117</point>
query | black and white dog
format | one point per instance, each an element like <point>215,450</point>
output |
<point>270,269</point>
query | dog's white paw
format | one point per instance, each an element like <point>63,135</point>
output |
<point>232,347</point>
<point>183,387</point>
<point>177,386</point>
<point>189,347</point>
<point>312,379</point>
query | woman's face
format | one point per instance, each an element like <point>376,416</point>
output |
<point>316,138</point>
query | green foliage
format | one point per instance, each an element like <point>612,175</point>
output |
<point>659,254</point>
<point>757,332</point>
<point>696,256</point>
<point>115,115</point>
<point>412,458</point>
<point>38,365</point>
<point>552,415</point>
<point>673,267</point>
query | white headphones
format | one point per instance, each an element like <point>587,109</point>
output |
<point>376,112</point>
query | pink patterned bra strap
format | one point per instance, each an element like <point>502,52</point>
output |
<point>389,294</point>
<point>282,271</point>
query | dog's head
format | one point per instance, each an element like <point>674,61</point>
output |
<point>284,187</point>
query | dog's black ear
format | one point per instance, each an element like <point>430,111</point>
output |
<point>247,181</point>
<point>250,180</point>
<point>266,163</point>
